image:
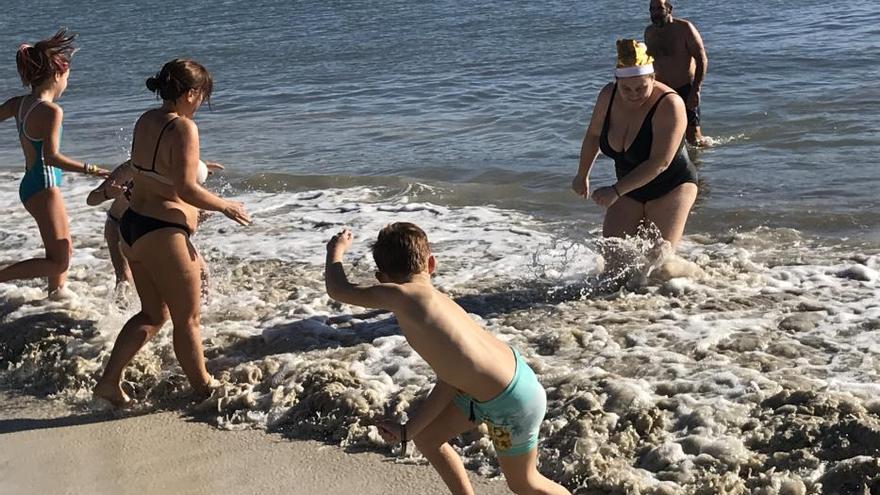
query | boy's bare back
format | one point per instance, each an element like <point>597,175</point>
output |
<point>461,353</point>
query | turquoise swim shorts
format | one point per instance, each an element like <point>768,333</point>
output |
<point>514,417</point>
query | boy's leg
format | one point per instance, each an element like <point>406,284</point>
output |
<point>523,477</point>
<point>432,442</point>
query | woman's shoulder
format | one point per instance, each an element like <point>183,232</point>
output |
<point>603,100</point>
<point>148,116</point>
<point>183,128</point>
<point>156,118</point>
<point>605,94</point>
<point>48,109</point>
<point>44,115</point>
<point>666,96</point>
<point>669,103</point>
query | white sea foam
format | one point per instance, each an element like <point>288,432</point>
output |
<point>757,370</point>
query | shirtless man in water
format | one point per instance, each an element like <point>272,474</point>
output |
<point>679,61</point>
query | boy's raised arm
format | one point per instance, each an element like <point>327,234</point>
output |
<point>383,296</point>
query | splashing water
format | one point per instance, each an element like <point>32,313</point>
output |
<point>753,372</point>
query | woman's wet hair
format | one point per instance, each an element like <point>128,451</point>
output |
<point>46,58</point>
<point>179,76</point>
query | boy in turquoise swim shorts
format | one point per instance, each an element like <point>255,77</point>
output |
<point>479,378</point>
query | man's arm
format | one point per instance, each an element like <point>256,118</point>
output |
<point>383,296</point>
<point>695,47</point>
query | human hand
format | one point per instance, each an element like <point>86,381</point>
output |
<point>581,185</point>
<point>605,196</point>
<point>213,167</point>
<point>203,215</point>
<point>390,431</point>
<point>113,189</point>
<point>92,169</point>
<point>340,242</point>
<point>693,100</point>
<point>235,211</point>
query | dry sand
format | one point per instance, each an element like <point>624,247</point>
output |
<point>47,449</point>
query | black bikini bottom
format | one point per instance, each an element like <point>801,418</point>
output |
<point>133,226</point>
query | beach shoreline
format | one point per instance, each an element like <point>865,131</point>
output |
<point>46,447</point>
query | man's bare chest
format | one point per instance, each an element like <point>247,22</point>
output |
<point>667,44</point>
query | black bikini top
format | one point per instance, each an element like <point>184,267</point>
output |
<point>151,172</point>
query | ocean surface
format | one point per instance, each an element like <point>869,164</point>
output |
<point>751,366</point>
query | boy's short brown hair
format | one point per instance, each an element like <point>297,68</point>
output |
<point>401,249</point>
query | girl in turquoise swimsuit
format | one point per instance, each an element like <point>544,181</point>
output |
<point>44,67</point>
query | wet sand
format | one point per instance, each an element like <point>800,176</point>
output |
<point>45,449</point>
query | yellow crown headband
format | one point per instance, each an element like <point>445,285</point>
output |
<point>633,59</point>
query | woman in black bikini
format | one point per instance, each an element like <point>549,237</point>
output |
<point>640,124</point>
<point>165,198</point>
<point>117,188</point>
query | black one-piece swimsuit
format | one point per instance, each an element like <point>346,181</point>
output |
<point>679,171</point>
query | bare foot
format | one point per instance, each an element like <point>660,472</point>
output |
<point>112,394</point>
<point>205,391</point>
<point>61,294</point>
<point>675,267</point>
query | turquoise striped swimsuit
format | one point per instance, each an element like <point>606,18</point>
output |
<point>39,175</point>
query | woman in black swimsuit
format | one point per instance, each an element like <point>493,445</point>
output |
<point>165,198</point>
<point>640,124</point>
